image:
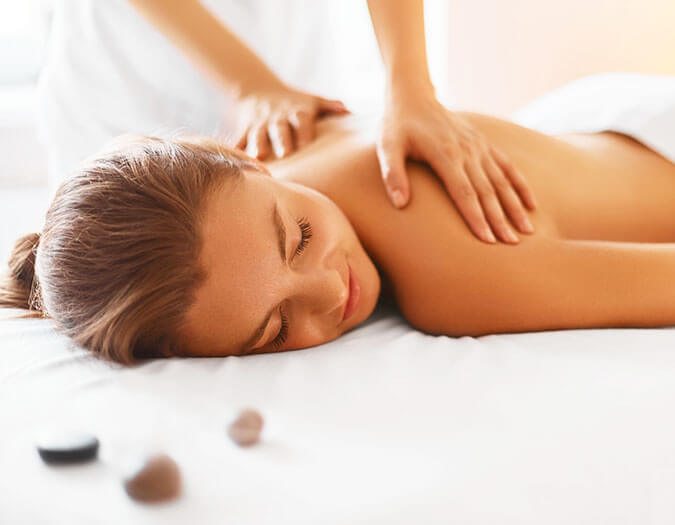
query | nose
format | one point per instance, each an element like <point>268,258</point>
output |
<point>325,290</point>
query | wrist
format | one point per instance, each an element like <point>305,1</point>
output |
<point>410,76</point>
<point>266,82</point>
<point>408,86</point>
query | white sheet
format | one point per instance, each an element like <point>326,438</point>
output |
<point>385,425</point>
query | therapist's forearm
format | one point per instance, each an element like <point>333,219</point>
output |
<point>209,45</point>
<point>399,29</point>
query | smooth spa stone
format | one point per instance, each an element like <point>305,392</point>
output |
<point>67,447</point>
<point>155,478</point>
<point>245,429</point>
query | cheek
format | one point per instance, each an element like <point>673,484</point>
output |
<point>308,336</point>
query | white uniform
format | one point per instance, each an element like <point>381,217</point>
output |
<point>109,71</point>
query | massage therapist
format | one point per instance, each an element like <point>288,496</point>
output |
<point>151,66</point>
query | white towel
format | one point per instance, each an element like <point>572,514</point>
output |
<point>640,106</point>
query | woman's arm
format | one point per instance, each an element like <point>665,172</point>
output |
<point>209,44</point>
<point>479,178</point>
<point>273,116</point>
<point>399,29</point>
<point>548,283</point>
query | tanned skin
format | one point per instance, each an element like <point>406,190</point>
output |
<point>602,254</point>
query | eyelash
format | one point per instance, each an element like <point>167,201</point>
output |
<point>306,235</point>
<point>306,231</point>
<point>280,339</point>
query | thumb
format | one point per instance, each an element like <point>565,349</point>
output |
<point>332,106</point>
<point>391,156</point>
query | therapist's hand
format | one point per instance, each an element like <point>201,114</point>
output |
<point>479,178</point>
<point>279,120</point>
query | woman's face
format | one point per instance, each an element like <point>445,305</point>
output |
<point>283,267</point>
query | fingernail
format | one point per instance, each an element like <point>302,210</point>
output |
<point>490,236</point>
<point>527,225</point>
<point>397,197</point>
<point>511,236</point>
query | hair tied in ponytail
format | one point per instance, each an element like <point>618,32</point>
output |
<point>20,287</point>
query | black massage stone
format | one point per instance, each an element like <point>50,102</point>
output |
<point>67,447</point>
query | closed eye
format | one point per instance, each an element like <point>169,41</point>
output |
<point>280,339</point>
<point>305,235</point>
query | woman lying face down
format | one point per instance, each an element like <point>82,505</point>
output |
<point>187,248</point>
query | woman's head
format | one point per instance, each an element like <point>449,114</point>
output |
<point>278,258</point>
<point>161,247</point>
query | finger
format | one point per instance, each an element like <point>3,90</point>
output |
<point>303,126</point>
<point>332,106</point>
<point>517,179</point>
<point>508,197</point>
<point>491,205</point>
<point>447,162</point>
<point>242,140</point>
<point>258,145</point>
<point>391,155</point>
<point>280,136</point>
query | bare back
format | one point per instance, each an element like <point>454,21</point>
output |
<point>604,187</point>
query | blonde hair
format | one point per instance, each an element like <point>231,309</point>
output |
<point>116,265</point>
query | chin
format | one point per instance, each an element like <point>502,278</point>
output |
<point>370,283</point>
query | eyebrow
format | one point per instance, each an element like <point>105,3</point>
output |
<point>281,231</point>
<point>281,236</point>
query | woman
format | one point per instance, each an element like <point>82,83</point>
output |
<point>184,247</point>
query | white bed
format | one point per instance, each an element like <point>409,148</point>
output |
<point>385,425</point>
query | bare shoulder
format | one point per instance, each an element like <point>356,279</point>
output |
<point>436,266</point>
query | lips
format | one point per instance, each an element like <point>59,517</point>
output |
<point>354,294</point>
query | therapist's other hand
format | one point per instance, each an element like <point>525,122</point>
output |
<point>279,120</point>
<point>479,178</point>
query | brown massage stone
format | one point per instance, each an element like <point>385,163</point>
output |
<point>157,478</point>
<point>245,429</point>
